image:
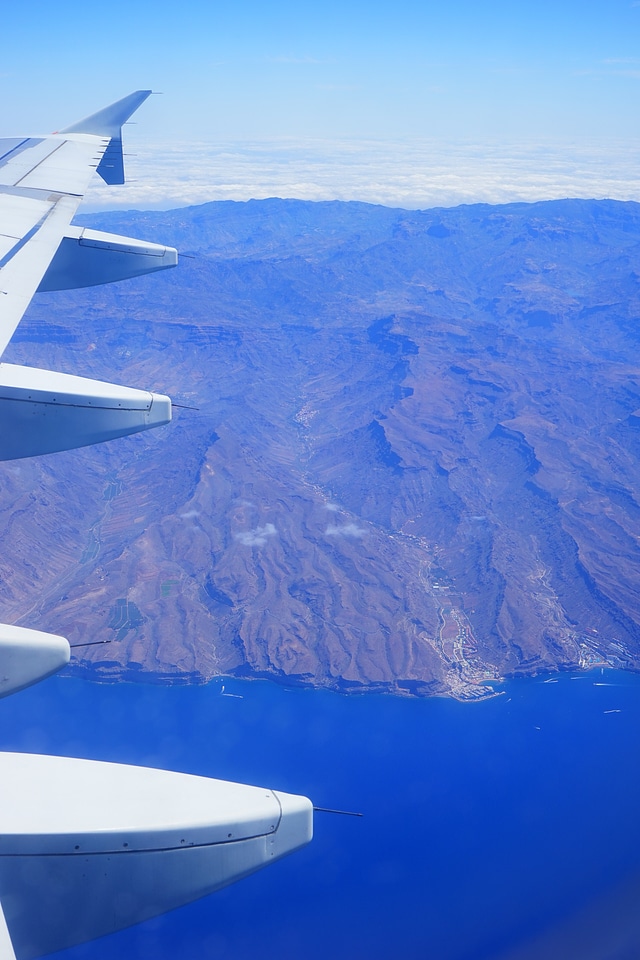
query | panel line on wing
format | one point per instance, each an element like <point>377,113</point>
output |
<point>34,193</point>
<point>39,163</point>
<point>18,147</point>
<point>67,169</point>
<point>60,164</point>
<point>25,239</point>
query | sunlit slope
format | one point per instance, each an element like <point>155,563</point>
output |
<point>413,465</point>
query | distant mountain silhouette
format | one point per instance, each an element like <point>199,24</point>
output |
<point>414,463</point>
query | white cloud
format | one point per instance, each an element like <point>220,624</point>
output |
<point>256,537</point>
<point>346,530</point>
<point>406,173</point>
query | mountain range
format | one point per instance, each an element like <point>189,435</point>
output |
<point>405,454</point>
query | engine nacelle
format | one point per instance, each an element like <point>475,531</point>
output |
<point>28,656</point>
<point>88,847</point>
<point>44,412</point>
<point>86,258</point>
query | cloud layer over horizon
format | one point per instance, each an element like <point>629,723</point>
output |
<point>415,173</point>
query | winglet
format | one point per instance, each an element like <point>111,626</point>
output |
<point>108,123</point>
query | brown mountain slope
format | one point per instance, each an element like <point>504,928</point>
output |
<point>413,464</point>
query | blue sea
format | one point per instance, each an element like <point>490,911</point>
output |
<point>487,826</point>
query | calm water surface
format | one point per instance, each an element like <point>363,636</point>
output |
<point>485,824</point>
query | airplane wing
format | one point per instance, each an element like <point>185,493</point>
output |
<point>87,847</point>
<point>42,181</point>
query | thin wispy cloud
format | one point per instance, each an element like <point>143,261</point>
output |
<point>256,537</point>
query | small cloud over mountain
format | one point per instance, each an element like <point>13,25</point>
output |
<point>256,537</point>
<point>346,530</point>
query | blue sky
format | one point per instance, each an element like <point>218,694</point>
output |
<point>477,72</point>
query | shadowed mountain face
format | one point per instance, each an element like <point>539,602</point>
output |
<point>414,463</point>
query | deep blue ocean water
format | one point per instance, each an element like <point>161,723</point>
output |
<point>484,824</point>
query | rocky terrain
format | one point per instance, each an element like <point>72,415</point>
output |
<point>413,463</point>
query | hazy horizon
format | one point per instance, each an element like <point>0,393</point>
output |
<point>415,104</point>
<point>412,173</point>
